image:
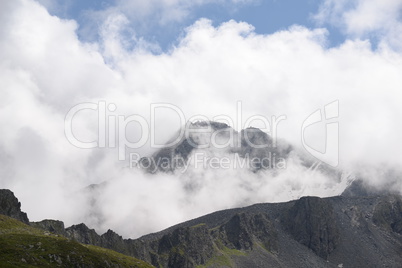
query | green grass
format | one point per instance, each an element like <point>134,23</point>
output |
<point>25,246</point>
<point>233,252</point>
<point>10,225</point>
<point>218,261</point>
<point>223,257</point>
<point>198,225</point>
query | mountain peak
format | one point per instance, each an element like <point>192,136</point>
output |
<point>10,206</point>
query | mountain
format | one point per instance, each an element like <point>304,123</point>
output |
<point>250,152</point>
<point>362,227</point>
<point>250,143</point>
<point>10,206</point>
<point>199,182</point>
<point>309,232</point>
<point>22,245</point>
<point>338,231</point>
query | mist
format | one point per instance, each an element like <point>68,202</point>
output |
<point>46,70</point>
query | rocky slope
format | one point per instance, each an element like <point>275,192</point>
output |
<point>342,231</point>
<point>310,232</point>
<point>22,245</point>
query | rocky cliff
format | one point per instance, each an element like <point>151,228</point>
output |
<point>309,232</point>
<point>10,206</point>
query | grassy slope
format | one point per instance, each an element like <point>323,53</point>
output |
<point>25,246</point>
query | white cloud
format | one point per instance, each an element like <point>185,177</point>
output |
<point>45,70</point>
<point>362,18</point>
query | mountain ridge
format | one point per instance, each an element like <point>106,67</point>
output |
<point>309,232</point>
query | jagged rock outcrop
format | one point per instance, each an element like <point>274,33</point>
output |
<point>191,245</point>
<point>10,206</point>
<point>112,240</point>
<point>311,222</point>
<point>81,233</point>
<point>53,226</point>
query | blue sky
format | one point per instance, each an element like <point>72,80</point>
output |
<point>267,16</point>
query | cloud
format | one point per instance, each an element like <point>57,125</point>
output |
<point>46,69</point>
<point>362,18</point>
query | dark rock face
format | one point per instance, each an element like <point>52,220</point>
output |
<point>388,214</point>
<point>311,222</point>
<point>188,246</point>
<point>53,226</point>
<point>236,233</point>
<point>243,231</point>
<point>185,247</point>
<point>264,231</point>
<point>81,233</point>
<point>112,240</point>
<point>195,245</point>
<point>10,206</point>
